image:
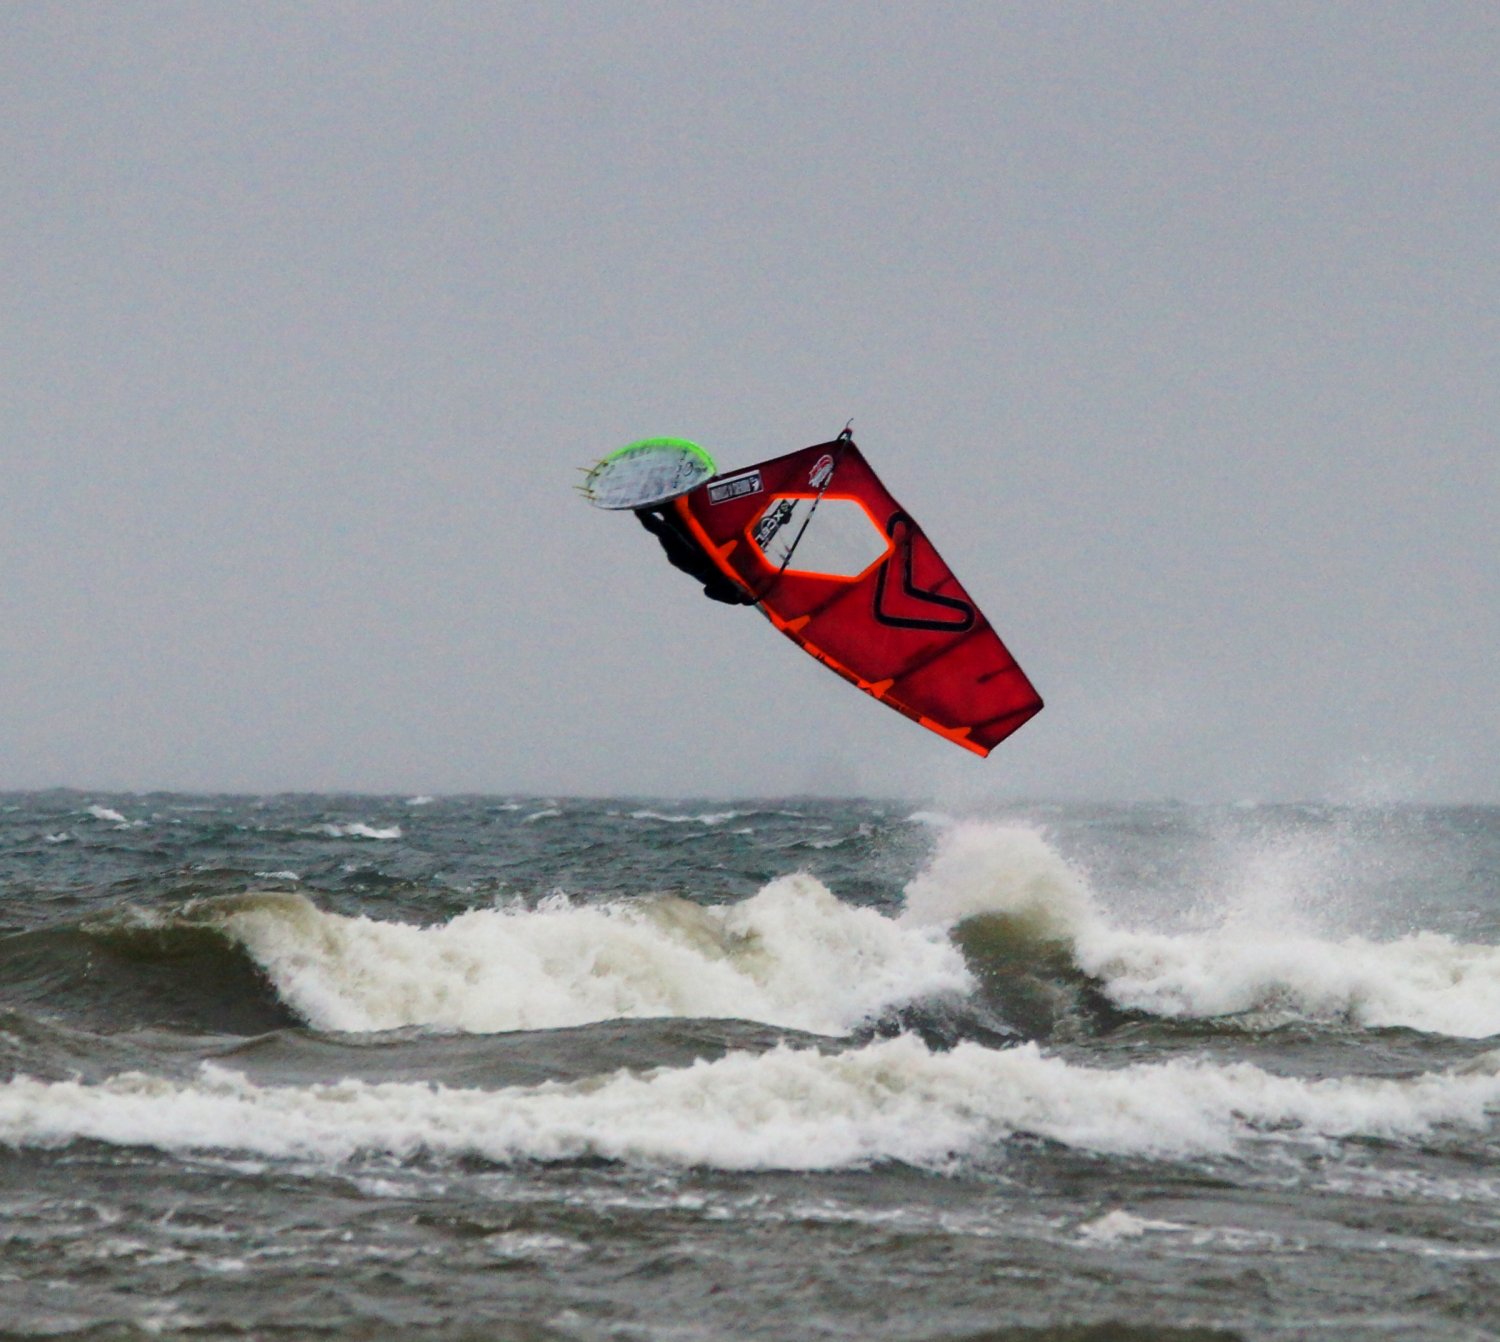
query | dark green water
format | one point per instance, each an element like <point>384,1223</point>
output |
<point>366,1067</point>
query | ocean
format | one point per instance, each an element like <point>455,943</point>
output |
<point>550,1068</point>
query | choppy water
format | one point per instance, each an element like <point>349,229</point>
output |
<point>552,1069</point>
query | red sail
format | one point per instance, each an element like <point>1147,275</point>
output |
<point>843,570</point>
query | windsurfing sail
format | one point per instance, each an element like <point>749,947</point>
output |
<point>846,573</point>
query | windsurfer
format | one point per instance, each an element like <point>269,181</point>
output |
<point>685,553</point>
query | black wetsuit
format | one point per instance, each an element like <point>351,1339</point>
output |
<point>685,553</point>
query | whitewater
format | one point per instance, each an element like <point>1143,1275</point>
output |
<point>1235,1045</point>
<point>793,954</point>
<point>789,1109</point>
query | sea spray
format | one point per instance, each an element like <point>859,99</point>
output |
<point>982,868</point>
<point>1004,885</point>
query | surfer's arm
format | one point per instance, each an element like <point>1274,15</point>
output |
<point>683,552</point>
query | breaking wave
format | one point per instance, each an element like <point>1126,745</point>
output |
<point>356,830</point>
<point>792,955</point>
<point>796,1109</point>
<point>1016,903</point>
<point>998,937</point>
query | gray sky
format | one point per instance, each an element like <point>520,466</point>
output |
<point>1176,326</point>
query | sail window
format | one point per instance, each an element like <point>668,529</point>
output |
<point>837,538</point>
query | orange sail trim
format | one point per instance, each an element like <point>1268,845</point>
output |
<point>844,572</point>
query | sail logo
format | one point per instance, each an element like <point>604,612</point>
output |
<point>916,606</point>
<point>734,487</point>
<point>822,473</point>
<point>773,521</point>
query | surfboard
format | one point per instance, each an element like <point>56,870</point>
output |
<point>646,473</point>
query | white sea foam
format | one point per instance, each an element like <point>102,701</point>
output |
<point>1257,960</point>
<point>1425,981</point>
<point>104,813</point>
<point>672,818</point>
<point>357,830</point>
<point>981,868</point>
<point>1120,1225</point>
<point>792,955</point>
<point>786,1109</point>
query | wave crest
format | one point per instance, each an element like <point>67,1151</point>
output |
<point>792,955</point>
<point>785,1109</point>
<point>1025,917</point>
